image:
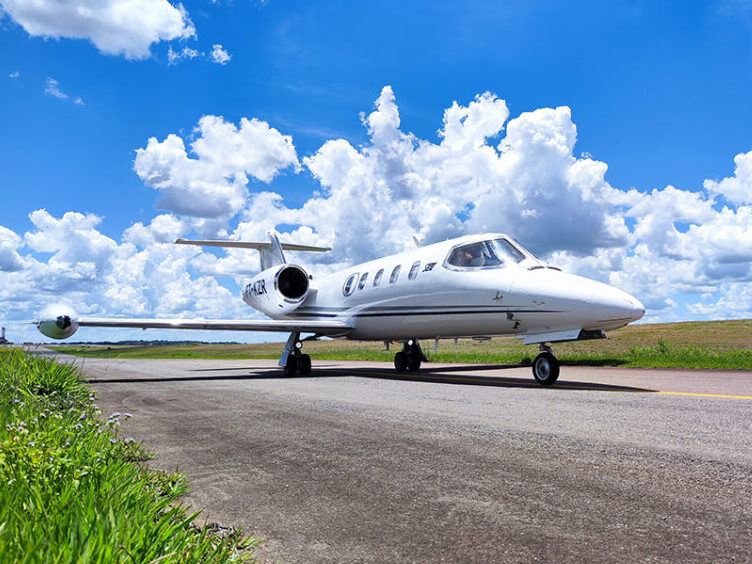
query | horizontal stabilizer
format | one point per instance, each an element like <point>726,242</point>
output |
<point>252,245</point>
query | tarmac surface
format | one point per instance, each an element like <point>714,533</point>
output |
<point>455,463</point>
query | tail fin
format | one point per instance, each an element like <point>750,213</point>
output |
<point>270,252</point>
<point>271,255</point>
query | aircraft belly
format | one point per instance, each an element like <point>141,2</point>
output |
<point>426,326</point>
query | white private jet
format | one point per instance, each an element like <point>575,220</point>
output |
<point>472,286</point>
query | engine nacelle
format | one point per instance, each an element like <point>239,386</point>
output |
<point>279,290</point>
<point>58,322</point>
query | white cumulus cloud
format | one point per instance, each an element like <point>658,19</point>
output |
<point>116,27</point>
<point>144,274</point>
<point>686,254</point>
<point>736,189</point>
<point>526,182</point>
<point>214,184</point>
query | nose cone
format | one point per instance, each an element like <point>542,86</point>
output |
<point>638,310</point>
<point>614,308</point>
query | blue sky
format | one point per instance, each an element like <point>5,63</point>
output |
<point>658,91</point>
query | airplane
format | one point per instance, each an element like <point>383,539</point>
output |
<point>475,286</point>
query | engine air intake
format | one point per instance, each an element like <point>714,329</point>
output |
<point>292,282</point>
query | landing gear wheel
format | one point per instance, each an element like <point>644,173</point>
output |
<point>413,361</point>
<point>305,365</point>
<point>400,361</point>
<point>291,366</point>
<point>545,368</point>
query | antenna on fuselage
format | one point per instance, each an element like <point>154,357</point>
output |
<point>416,241</point>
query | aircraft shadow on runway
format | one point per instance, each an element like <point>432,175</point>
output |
<point>438,375</point>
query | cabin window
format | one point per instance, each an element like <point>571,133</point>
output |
<point>395,274</point>
<point>363,279</point>
<point>414,270</point>
<point>377,278</point>
<point>484,254</point>
<point>349,286</point>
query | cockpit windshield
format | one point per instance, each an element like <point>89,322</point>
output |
<point>484,254</point>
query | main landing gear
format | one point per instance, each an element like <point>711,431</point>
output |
<point>410,357</point>
<point>545,366</point>
<point>293,361</point>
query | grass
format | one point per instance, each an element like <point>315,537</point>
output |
<point>711,345</point>
<point>74,491</point>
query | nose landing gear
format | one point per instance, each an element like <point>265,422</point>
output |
<point>545,366</point>
<point>410,357</point>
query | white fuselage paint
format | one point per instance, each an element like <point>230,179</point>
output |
<point>527,299</point>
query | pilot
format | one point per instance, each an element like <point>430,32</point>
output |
<point>471,256</point>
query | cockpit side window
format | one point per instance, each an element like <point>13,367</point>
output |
<point>495,253</point>
<point>505,247</point>
<point>467,255</point>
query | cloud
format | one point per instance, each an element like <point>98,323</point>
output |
<point>10,260</point>
<point>219,55</point>
<point>474,179</point>
<point>173,57</point>
<point>687,254</point>
<point>144,274</point>
<point>15,74</point>
<point>668,246</point>
<point>52,88</point>
<point>486,172</point>
<point>116,27</point>
<point>214,184</point>
<point>736,189</point>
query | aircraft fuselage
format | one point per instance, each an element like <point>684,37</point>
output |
<point>429,298</point>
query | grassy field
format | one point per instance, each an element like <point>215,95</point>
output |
<point>73,490</point>
<point>712,344</point>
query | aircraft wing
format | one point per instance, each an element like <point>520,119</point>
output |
<point>60,323</point>
<point>324,327</point>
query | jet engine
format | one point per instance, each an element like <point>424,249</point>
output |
<point>58,322</point>
<point>279,290</point>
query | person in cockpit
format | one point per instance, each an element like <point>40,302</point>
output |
<point>471,256</point>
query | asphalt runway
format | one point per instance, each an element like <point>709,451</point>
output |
<point>454,464</point>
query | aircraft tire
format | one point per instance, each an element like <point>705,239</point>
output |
<point>400,361</point>
<point>291,366</point>
<point>305,365</point>
<point>413,362</point>
<point>545,369</point>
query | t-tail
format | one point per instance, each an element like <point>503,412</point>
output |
<point>271,252</point>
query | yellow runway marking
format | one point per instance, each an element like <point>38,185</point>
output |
<point>561,386</point>
<point>696,395</point>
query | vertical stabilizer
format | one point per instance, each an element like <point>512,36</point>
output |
<point>273,255</point>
